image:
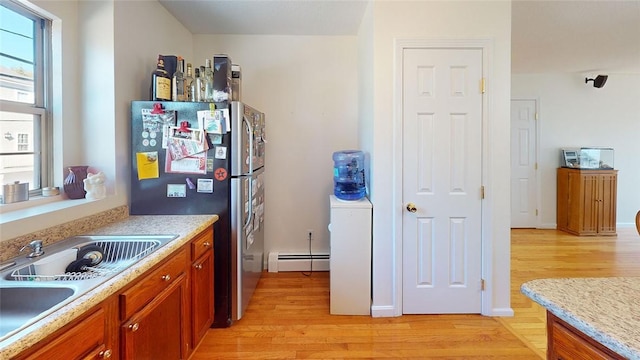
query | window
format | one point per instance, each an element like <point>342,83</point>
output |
<point>25,153</point>
<point>23,142</point>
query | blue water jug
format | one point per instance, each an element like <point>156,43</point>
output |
<point>348,175</point>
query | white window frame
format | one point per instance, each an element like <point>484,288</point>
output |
<point>40,110</point>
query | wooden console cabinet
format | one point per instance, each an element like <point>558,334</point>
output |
<point>564,342</point>
<point>586,201</point>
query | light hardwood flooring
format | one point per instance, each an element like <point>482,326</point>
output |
<point>288,317</point>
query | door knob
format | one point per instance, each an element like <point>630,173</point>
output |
<point>411,207</point>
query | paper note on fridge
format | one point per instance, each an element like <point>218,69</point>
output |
<point>147,165</point>
<point>182,144</point>
<point>212,121</point>
<point>194,164</point>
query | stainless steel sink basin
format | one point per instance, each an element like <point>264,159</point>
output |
<point>118,253</point>
<point>22,305</point>
<point>31,288</point>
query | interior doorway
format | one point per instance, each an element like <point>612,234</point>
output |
<point>524,154</point>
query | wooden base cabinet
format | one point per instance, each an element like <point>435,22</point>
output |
<point>564,342</point>
<point>155,313</point>
<point>202,286</point>
<point>92,336</point>
<point>163,314</point>
<point>586,201</point>
<point>158,330</point>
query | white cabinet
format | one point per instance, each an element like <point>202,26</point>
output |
<point>350,258</point>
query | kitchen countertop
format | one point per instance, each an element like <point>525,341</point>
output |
<point>185,226</point>
<point>605,309</point>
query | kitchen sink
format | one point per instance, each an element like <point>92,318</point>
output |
<point>22,305</point>
<point>32,288</point>
<point>117,253</point>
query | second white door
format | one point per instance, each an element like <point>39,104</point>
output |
<point>523,164</point>
<point>442,178</point>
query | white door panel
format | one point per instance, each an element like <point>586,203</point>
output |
<point>442,173</point>
<point>523,164</point>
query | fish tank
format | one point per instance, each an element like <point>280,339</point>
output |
<point>598,158</point>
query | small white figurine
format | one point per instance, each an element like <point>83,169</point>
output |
<point>94,186</point>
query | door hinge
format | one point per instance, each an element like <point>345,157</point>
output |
<point>536,212</point>
<point>536,116</point>
<point>483,85</point>
<point>482,285</point>
<point>482,192</point>
<point>536,166</point>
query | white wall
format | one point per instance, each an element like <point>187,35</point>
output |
<point>142,30</point>
<point>307,88</point>
<point>444,20</point>
<point>104,53</point>
<point>574,114</point>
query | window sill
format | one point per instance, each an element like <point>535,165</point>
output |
<point>36,206</point>
<point>38,213</point>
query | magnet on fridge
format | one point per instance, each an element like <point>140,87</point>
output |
<point>221,152</point>
<point>216,139</point>
<point>205,185</point>
<point>190,184</point>
<point>176,190</point>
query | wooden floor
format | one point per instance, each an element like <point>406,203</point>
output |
<point>288,317</point>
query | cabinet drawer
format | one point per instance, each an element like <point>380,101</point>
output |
<point>86,340</point>
<point>202,243</point>
<point>568,343</point>
<point>137,296</point>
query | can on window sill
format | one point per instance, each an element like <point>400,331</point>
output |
<point>15,192</point>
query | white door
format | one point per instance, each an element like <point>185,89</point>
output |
<point>442,173</point>
<point>523,163</point>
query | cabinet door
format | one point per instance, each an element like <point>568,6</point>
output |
<point>202,306</point>
<point>89,338</point>
<point>562,199</point>
<point>158,330</point>
<point>607,204</point>
<point>590,186</point>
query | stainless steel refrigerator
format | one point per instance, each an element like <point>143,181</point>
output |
<point>225,179</point>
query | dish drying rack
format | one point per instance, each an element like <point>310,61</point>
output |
<point>117,256</point>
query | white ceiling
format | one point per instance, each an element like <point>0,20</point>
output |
<point>588,36</point>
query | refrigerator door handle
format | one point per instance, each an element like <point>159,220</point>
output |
<point>250,201</point>
<point>250,130</point>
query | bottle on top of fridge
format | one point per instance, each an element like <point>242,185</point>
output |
<point>208,81</point>
<point>348,175</point>
<point>196,84</point>
<point>188,80</point>
<point>203,84</point>
<point>177,82</point>
<point>160,82</point>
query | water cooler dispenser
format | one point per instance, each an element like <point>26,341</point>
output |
<point>350,237</point>
<point>348,175</point>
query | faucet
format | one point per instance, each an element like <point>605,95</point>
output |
<point>36,248</point>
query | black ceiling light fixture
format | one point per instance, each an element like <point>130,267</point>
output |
<point>599,81</point>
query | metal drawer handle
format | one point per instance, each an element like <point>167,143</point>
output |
<point>198,266</point>
<point>105,354</point>
<point>166,277</point>
<point>134,327</point>
<point>206,244</point>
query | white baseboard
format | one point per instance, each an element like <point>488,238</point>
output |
<point>297,262</point>
<point>384,311</point>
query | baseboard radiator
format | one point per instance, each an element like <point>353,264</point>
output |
<point>297,262</point>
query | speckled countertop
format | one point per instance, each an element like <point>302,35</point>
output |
<point>605,309</point>
<point>185,226</point>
